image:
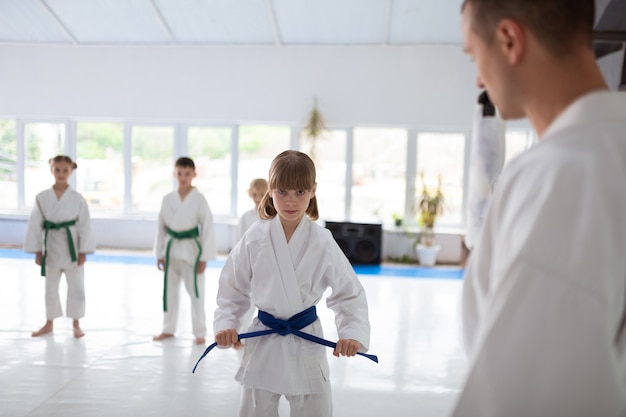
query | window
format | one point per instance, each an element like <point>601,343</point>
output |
<point>329,154</point>
<point>42,141</point>
<point>516,141</point>
<point>100,159</point>
<point>209,147</point>
<point>378,174</point>
<point>152,166</point>
<point>258,146</point>
<point>443,154</point>
<point>8,165</point>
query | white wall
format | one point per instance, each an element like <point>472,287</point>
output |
<point>420,87</point>
<point>429,86</point>
<point>415,87</point>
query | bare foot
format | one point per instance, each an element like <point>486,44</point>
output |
<point>78,332</point>
<point>162,336</point>
<point>200,341</point>
<point>47,328</point>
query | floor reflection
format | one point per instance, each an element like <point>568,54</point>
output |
<point>117,370</point>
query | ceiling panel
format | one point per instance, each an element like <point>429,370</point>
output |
<point>218,21</point>
<point>425,21</point>
<point>331,21</point>
<point>29,21</point>
<point>231,22</point>
<point>111,21</point>
<point>613,18</point>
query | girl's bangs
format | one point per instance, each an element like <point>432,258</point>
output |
<point>292,177</point>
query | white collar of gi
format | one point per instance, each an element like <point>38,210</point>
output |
<point>595,106</point>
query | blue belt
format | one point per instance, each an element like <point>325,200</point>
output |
<point>285,327</point>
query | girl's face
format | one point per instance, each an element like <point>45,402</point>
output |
<point>61,172</point>
<point>291,205</point>
<point>256,195</point>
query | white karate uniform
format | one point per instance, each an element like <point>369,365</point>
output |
<point>71,206</point>
<point>182,215</point>
<point>284,278</point>
<point>486,162</point>
<point>545,288</point>
<point>246,220</point>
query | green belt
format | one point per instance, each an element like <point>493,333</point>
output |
<point>47,225</point>
<point>187,234</point>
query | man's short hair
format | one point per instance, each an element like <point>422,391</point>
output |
<point>558,24</point>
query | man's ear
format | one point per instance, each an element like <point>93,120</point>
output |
<point>511,38</point>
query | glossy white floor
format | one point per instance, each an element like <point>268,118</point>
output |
<point>117,370</point>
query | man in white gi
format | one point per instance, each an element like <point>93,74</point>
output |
<point>59,233</point>
<point>545,288</point>
<point>185,241</point>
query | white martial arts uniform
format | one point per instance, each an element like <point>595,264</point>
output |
<point>246,220</point>
<point>71,206</point>
<point>545,288</point>
<point>182,215</point>
<point>284,278</point>
<point>486,162</point>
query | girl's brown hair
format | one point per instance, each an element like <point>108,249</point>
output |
<point>62,158</point>
<point>290,170</point>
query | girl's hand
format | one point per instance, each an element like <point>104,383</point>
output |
<point>38,257</point>
<point>346,347</point>
<point>201,267</point>
<point>228,338</point>
<point>81,259</point>
<point>161,264</point>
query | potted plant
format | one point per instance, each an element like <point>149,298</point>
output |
<point>430,205</point>
<point>397,219</point>
<point>315,128</point>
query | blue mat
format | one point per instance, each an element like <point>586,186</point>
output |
<point>382,270</point>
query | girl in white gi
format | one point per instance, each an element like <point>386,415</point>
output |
<point>256,191</point>
<point>185,241</point>
<point>59,234</point>
<point>283,265</point>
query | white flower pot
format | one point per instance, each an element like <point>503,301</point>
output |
<point>427,255</point>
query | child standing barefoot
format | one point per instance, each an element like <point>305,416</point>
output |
<point>59,234</point>
<point>185,241</point>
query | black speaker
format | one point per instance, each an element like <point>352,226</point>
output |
<point>361,243</point>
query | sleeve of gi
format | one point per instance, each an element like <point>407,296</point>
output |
<point>86,239</point>
<point>33,241</point>
<point>348,300</point>
<point>233,295</point>
<point>161,234</point>
<point>207,232</point>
